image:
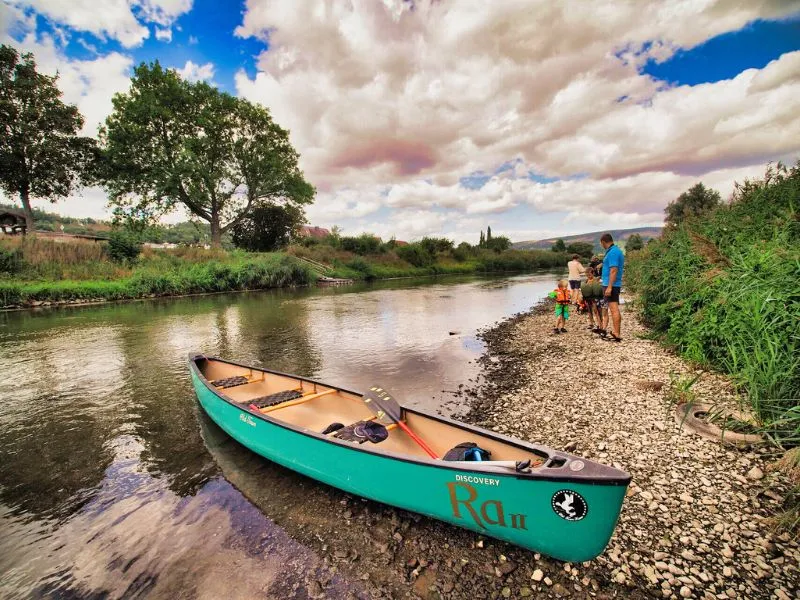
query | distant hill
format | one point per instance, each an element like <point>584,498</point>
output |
<point>619,235</point>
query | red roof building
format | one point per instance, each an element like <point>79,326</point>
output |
<point>314,232</point>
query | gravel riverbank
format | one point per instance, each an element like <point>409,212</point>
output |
<point>695,523</point>
<point>696,520</point>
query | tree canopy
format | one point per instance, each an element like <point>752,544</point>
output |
<point>268,227</point>
<point>171,142</point>
<point>498,244</point>
<point>634,242</point>
<point>41,153</point>
<point>559,246</point>
<point>692,203</point>
<point>584,249</point>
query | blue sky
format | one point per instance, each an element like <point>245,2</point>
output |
<point>437,122</point>
<point>728,54</point>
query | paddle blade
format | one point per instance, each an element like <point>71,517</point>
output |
<point>383,405</point>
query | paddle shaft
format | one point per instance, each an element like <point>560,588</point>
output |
<point>416,438</point>
<point>386,407</point>
<point>511,464</point>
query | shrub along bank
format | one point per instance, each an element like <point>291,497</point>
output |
<point>36,270</point>
<point>193,271</point>
<point>724,290</point>
<point>366,257</point>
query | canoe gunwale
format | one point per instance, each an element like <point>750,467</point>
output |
<point>615,478</point>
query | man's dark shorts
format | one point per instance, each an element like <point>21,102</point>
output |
<point>614,297</point>
<point>574,284</point>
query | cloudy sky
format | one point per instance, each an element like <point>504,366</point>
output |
<point>440,117</point>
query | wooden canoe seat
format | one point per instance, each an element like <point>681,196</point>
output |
<point>230,382</point>
<point>273,399</point>
<point>285,399</point>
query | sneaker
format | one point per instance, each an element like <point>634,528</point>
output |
<point>556,330</point>
<point>563,330</point>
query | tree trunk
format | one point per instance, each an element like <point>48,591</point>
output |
<point>216,230</point>
<point>24,196</point>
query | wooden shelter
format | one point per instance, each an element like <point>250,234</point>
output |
<point>12,222</point>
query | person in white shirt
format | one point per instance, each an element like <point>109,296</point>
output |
<point>576,270</point>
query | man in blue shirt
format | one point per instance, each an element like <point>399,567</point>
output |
<point>613,265</point>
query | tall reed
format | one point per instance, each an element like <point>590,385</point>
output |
<point>724,290</point>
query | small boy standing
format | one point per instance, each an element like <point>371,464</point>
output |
<point>592,291</point>
<point>562,297</point>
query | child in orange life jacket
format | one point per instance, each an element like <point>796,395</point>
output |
<point>562,297</point>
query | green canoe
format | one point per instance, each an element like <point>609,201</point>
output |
<point>564,506</point>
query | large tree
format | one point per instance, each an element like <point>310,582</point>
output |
<point>268,227</point>
<point>171,142</point>
<point>41,153</point>
<point>697,200</point>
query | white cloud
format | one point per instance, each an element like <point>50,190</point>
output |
<point>540,209</point>
<point>112,18</point>
<point>164,35</point>
<point>390,107</point>
<point>89,84</point>
<point>121,20</point>
<point>162,12</point>
<point>195,72</point>
<point>380,97</point>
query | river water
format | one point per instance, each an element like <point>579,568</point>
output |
<point>114,484</point>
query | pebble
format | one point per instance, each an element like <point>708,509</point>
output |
<point>755,474</point>
<point>691,524</point>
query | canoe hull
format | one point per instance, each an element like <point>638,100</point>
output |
<point>513,508</point>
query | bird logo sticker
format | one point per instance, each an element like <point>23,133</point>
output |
<point>569,505</point>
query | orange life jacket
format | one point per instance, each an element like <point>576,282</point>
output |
<point>562,296</point>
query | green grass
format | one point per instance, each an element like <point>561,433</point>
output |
<point>387,264</point>
<point>167,278</point>
<point>724,291</point>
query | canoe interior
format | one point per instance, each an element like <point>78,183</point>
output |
<point>315,410</point>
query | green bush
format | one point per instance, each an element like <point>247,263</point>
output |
<point>362,267</point>
<point>10,260</point>
<point>415,254</point>
<point>124,246</point>
<point>258,272</point>
<point>435,246</point>
<point>463,252</point>
<point>722,289</point>
<point>364,244</point>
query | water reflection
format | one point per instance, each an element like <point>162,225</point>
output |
<point>105,480</point>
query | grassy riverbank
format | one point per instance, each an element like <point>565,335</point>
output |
<point>722,290</point>
<point>36,271</point>
<point>42,271</point>
<point>366,258</point>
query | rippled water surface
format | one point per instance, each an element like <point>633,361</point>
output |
<point>112,482</point>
